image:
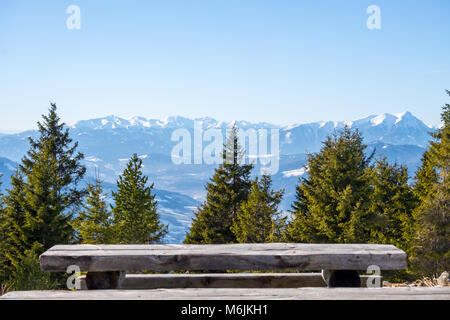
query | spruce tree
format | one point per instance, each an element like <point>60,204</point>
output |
<point>227,190</point>
<point>430,252</point>
<point>44,191</point>
<point>1,194</point>
<point>297,230</point>
<point>259,219</point>
<point>332,203</point>
<point>51,171</point>
<point>426,176</point>
<point>2,212</point>
<point>136,220</point>
<point>93,224</point>
<point>392,202</point>
<point>435,160</point>
<point>27,274</point>
<point>3,245</point>
<point>43,195</point>
<point>13,244</point>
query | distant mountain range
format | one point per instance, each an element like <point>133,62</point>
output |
<point>108,143</point>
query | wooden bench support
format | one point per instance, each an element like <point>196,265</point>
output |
<point>102,280</point>
<point>341,278</point>
<point>344,279</point>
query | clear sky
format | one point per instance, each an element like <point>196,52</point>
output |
<point>280,61</point>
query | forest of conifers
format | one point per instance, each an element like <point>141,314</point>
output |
<point>348,196</point>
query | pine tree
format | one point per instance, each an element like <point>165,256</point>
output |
<point>93,224</point>
<point>227,190</point>
<point>51,171</point>
<point>332,203</point>
<point>43,193</point>
<point>1,193</point>
<point>426,176</point>
<point>392,202</point>
<point>297,229</point>
<point>136,220</point>
<point>2,212</point>
<point>259,219</point>
<point>27,274</point>
<point>3,237</point>
<point>435,160</point>
<point>13,244</point>
<point>430,253</point>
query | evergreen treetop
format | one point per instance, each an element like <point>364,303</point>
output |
<point>43,195</point>
<point>331,204</point>
<point>430,249</point>
<point>135,210</point>
<point>226,191</point>
<point>93,224</point>
<point>45,191</point>
<point>54,148</point>
<point>14,242</point>
<point>435,161</point>
<point>391,204</point>
<point>259,219</point>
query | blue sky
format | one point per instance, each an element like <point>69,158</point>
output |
<point>280,61</point>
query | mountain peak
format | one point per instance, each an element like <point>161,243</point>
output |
<point>388,119</point>
<point>404,119</point>
<point>408,119</point>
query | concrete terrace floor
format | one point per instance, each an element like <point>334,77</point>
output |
<point>402,293</point>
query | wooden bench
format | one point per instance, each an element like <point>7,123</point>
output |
<point>106,264</point>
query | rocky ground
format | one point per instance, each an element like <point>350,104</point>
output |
<point>441,281</point>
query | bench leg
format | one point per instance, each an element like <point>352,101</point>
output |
<point>341,278</point>
<point>102,280</point>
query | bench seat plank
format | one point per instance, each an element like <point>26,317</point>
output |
<point>420,293</point>
<point>268,256</point>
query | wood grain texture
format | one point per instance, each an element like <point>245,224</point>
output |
<point>273,256</point>
<point>239,294</point>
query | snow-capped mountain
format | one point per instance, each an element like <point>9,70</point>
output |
<point>113,122</point>
<point>401,129</point>
<point>112,138</point>
<point>108,143</point>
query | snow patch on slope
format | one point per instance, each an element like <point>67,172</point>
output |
<point>378,120</point>
<point>295,172</point>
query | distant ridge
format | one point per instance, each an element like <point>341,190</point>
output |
<point>108,142</point>
<point>111,138</point>
<point>114,122</point>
